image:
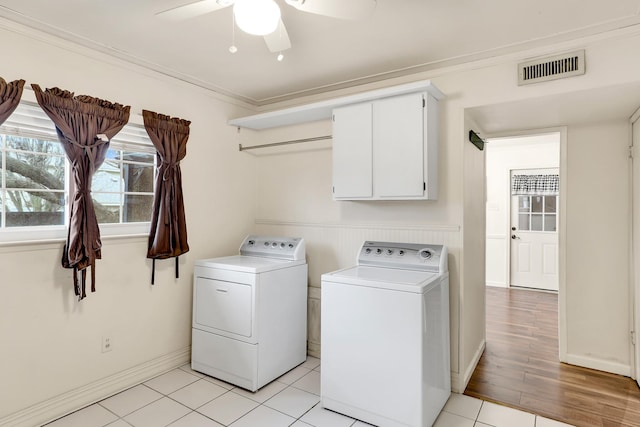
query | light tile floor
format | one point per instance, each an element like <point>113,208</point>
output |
<point>185,398</point>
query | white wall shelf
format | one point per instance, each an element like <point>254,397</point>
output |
<point>322,110</point>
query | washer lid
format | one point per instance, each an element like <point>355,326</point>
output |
<point>384,278</point>
<point>247,264</point>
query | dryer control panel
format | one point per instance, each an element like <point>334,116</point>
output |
<point>289,248</point>
<point>407,256</point>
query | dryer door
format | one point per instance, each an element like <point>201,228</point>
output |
<point>223,306</point>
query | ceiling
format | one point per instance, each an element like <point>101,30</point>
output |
<point>400,37</point>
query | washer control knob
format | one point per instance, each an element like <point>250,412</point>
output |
<point>425,254</point>
<point>266,243</point>
<point>401,252</point>
<point>389,251</point>
<point>274,245</point>
<point>282,245</point>
<point>367,251</point>
<point>290,245</point>
<point>252,242</point>
<point>378,251</point>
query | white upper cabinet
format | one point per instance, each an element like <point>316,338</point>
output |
<point>353,161</point>
<point>386,149</point>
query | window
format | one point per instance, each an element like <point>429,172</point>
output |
<point>537,213</point>
<point>35,179</point>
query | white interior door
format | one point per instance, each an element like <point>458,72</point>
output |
<point>534,238</point>
<point>635,185</point>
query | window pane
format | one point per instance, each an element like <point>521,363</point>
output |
<point>138,178</point>
<point>523,203</point>
<point>137,208</point>
<point>38,171</point>
<point>549,223</point>
<point>536,222</point>
<point>523,222</point>
<point>536,203</point>
<point>550,203</point>
<point>107,213</point>
<point>107,178</point>
<point>35,145</point>
<point>29,208</point>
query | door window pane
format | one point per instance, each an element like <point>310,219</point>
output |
<point>550,222</point>
<point>523,222</point>
<point>523,203</point>
<point>550,203</point>
<point>536,222</point>
<point>536,203</point>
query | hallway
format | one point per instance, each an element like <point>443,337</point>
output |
<point>520,367</point>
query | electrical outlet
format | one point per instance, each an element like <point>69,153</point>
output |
<point>107,343</point>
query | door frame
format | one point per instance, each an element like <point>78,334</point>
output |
<point>562,227</point>
<point>634,248</point>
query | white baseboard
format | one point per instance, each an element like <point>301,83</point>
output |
<point>462,382</point>
<point>73,400</point>
<point>599,364</point>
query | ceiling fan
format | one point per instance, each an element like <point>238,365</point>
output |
<point>262,17</point>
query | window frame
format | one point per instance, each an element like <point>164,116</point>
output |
<point>125,140</point>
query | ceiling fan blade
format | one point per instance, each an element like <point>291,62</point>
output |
<point>279,39</point>
<point>193,9</point>
<point>343,9</point>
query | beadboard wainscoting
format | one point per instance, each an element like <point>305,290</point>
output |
<point>331,247</point>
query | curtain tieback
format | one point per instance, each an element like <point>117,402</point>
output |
<point>169,168</point>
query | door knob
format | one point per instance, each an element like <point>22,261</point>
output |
<point>513,229</point>
<point>514,237</point>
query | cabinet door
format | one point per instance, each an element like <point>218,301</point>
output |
<point>398,144</point>
<point>352,152</point>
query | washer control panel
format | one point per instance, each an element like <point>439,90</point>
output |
<point>290,248</point>
<point>409,256</point>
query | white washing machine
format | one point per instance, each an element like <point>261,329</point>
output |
<point>385,335</point>
<point>250,312</point>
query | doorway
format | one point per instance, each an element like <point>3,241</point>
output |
<point>523,220</point>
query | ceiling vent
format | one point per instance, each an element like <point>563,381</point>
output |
<point>551,68</point>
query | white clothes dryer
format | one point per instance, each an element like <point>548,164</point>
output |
<point>250,312</point>
<point>385,335</point>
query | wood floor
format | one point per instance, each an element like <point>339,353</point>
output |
<point>520,367</point>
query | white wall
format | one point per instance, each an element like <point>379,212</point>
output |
<point>51,360</point>
<point>503,155</point>
<point>598,232</point>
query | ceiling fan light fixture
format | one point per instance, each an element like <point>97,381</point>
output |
<point>257,17</point>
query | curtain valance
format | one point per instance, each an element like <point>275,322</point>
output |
<point>84,126</point>
<point>10,94</point>
<point>168,234</point>
<point>538,185</point>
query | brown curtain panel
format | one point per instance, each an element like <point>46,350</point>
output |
<point>84,125</point>
<point>10,94</point>
<point>168,234</point>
